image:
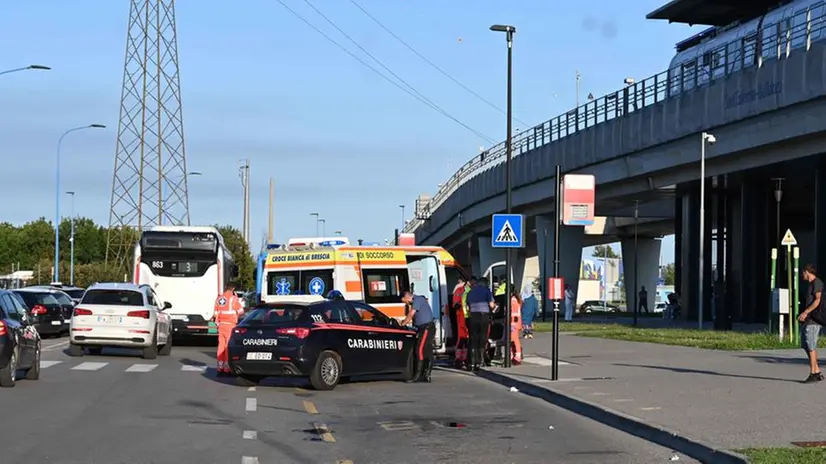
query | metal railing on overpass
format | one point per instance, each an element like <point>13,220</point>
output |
<point>774,41</point>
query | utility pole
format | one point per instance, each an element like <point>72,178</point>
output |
<point>244,173</point>
<point>72,243</point>
<point>578,76</point>
<point>271,232</point>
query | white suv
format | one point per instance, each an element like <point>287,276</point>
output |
<point>121,315</point>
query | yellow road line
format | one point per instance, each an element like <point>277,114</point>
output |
<point>310,407</point>
<point>324,432</point>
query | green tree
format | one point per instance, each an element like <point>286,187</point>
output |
<point>36,242</point>
<point>603,251</point>
<point>669,274</point>
<point>241,253</point>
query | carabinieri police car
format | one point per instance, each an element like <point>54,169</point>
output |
<point>325,340</point>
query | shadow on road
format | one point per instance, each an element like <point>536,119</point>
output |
<point>682,370</point>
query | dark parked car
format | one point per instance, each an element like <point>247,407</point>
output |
<point>19,341</point>
<point>50,309</point>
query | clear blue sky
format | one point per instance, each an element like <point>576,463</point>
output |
<point>258,83</point>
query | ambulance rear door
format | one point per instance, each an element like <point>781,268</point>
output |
<point>427,278</point>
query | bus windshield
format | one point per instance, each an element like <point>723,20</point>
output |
<point>179,254</point>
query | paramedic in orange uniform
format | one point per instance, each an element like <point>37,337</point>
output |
<point>227,310</point>
<point>516,328</point>
<point>462,335</point>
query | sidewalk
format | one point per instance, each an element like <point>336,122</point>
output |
<point>728,400</point>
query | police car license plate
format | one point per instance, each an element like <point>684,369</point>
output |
<point>259,356</point>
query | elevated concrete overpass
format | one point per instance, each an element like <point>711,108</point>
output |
<point>643,145</point>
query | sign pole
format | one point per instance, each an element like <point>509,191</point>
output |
<point>773,291</point>
<point>789,284</point>
<point>796,302</point>
<point>557,229</point>
<point>508,232</point>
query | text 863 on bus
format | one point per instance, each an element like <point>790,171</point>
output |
<point>188,266</point>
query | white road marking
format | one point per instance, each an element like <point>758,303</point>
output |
<point>191,368</point>
<point>538,360</point>
<point>250,435</point>
<point>654,408</point>
<point>249,460</point>
<point>141,367</point>
<point>47,364</point>
<point>89,366</point>
<point>251,389</point>
<point>55,346</point>
<point>599,394</point>
<point>251,404</point>
<point>623,400</point>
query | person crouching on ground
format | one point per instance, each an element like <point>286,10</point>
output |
<point>812,318</point>
<point>530,309</point>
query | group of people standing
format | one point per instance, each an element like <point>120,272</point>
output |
<point>475,307</point>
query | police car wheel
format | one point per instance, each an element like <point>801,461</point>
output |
<point>327,371</point>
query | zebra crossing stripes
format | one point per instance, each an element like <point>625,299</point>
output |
<point>141,367</point>
<point>137,367</point>
<point>90,366</point>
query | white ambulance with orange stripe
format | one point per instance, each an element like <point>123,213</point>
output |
<point>376,275</point>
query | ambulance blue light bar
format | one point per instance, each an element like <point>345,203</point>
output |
<point>329,243</point>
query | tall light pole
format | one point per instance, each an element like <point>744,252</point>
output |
<point>27,68</point>
<point>323,227</point>
<point>56,275</point>
<point>72,242</point>
<point>338,233</point>
<point>402,207</point>
<point>244,173</point>
<point>509,32</point>
<point>636,262</point>
<point>711,140</point>
<point>316,215</point>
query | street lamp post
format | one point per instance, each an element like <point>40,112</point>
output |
<point>56,275</point>
<point>27,68</point>
<point>711,140</point>
<point>72,242</point>
<point>636,263</point>
<point>323,227</point>
<point>509,32</point>
<point>316,215</point>
<point>402,207</point>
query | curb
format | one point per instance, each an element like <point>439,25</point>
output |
<point>694,449</point>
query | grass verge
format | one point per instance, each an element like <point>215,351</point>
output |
<point>785,455</point>
<point>708,339</point>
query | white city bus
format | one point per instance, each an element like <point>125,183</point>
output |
<point>188,267</point>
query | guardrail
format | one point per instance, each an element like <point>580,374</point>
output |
<point>773,41</point>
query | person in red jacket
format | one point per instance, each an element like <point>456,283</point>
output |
<point>462,334</point>
<point>228,309</point>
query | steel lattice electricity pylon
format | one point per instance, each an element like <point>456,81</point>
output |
<point>149,185</point>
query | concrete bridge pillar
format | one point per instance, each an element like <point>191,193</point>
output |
<point>645,252</point>
<point>570,253</point>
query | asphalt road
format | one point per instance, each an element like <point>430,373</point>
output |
<point>120,409</point>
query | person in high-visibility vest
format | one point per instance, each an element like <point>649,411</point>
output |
<point>228,309</point>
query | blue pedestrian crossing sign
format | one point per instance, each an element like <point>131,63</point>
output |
<point>316,286</point>
<point>508,231</point>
